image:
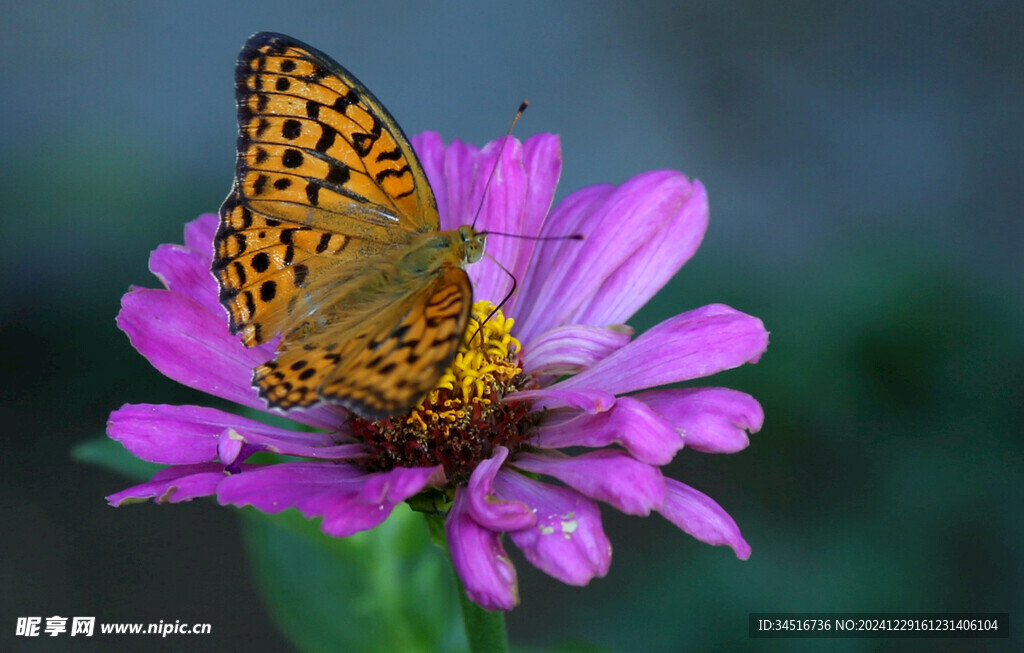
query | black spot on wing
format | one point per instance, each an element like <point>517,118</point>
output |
<point>326,140</point>
<point>291,129</point>
<point>313,193</point>
<point>301,272</point>
<point>268,290</point>
<point>325,240</point>
<point>291,158</point>
<point>338,175</point>
<point>260,262</point>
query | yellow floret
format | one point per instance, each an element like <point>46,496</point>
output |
<point>487,359</point>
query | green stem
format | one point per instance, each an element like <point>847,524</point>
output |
<point>485,630</point>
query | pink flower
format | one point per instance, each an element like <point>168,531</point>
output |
<point>584,382</point>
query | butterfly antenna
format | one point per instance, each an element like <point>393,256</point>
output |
<point>515,282</point>
<point>490,178</point>
<point>540,238</point>
<point>508,296</point>
<point>497,162</point>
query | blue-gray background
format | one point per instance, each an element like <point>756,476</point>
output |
<point>863,162</point>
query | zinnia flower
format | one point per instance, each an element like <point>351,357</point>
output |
<point>487,444</point>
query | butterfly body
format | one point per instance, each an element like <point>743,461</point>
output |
<point>330,237</point>
<point>434,249</point>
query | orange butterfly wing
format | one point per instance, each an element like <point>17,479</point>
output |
<point>327,190</point>
<point>377,364</point>
<point>265,268</point>
<point>316,148</point>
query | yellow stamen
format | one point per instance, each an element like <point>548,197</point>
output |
<point>486,359</point>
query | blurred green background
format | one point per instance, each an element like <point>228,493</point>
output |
<point>863,162</point>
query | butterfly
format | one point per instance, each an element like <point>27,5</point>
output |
<point>331,237</point>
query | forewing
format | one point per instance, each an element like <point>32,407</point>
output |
<point>317,148</point>
<point>325,180</point>
<point>274,273</point>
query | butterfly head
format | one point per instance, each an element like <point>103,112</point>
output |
<point>472,242</point>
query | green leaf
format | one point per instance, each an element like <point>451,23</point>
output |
<point>112,455</point>
<point>570,646</point>
<point>386,589</point>
<point>579,646</point>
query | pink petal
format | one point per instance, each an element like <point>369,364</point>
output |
<point>325,446</point>
<point>573,278</point>
<point>174,485</point>
<point>200,232</point>
<point>714,420</point>
<point>483,566</point>
<point>349,499</point>
<point>542,160</point>
<point>310,486</point>
<point>485,508</point>
<point>607,475</point>
<point>230,448</point>
<point>688,346</point>
<point>645,434</point>
<point>176,435</point>
<point>699,515</point>
<point>191,345</point>
<point>585,399</point>
<point>657,260</point>
<point>552,262</point>
<point>459,177</point>
<point>568,541</point>
<point>186,271</point>
<point>501,209</point>
<point>430,150</point>
<point>172,435</point>
<point>570,349</point>
<point>379,495</point>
